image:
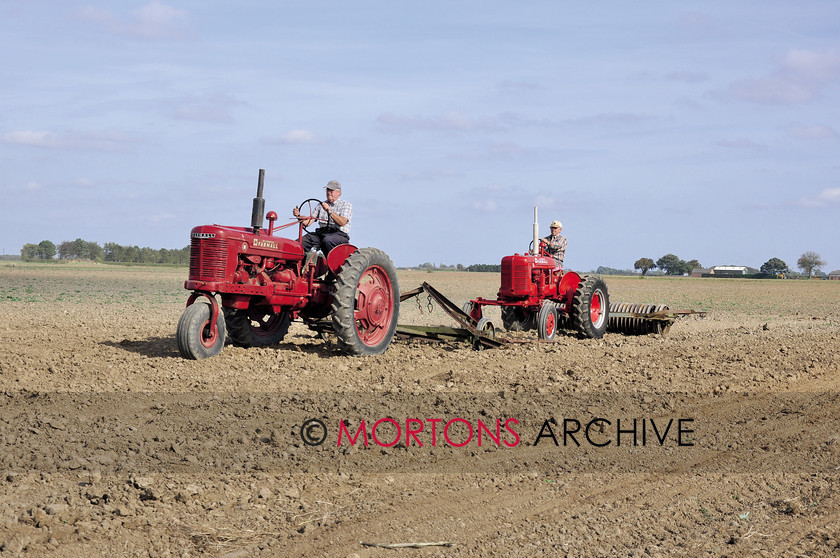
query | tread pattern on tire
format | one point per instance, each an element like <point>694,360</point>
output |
<point>239,331</point>
<point>548,308</point>
<point>511,319</point>
<point>581,317</point>
<point>344,301</point>
<point>189,331</point>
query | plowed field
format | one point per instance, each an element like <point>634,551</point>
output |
<point>720,438</point>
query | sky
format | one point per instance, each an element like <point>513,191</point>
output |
<point>710,130</point>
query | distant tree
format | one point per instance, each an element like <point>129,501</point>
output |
<point>604,270</point>
<point>485,267</point>
<point>113,252</point>
<point>810,261</point>
<point>670,264</point>
<point>67,250</point>
<point>774,266</point>
<point>47,249</point>
<point>687,267</point>
<point>644,264</point>
<point>29,252</point>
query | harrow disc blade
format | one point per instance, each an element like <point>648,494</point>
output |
<point>638,319</point>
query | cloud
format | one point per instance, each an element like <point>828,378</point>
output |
<point>209,108</point>
<point>86,141</point>
<point>687,77</point>
<point>828,197</point>
<point>451,121</point>
<point>33,186</point>
<point>814,66</point>
<point>485,205</point>
<point>153,21</point>
<point>519,86</point>
<point>296,137</point>
<point>431,174</point>
<point>740,143</point>
<point>611,119</point>
<point>799,77</point>
<point>811,132</point>
<point>158,218</point>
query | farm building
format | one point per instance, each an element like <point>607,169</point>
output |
<point>834,275</point>
<point>728,270</point>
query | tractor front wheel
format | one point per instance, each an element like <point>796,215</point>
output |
<point>196,340</point>
<point>366,304</point>
<point>256,327</point>
<point>591,307</point>
<point>547,321</point>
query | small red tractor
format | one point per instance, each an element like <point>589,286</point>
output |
<point>536,293</point>
<point>265,281</point>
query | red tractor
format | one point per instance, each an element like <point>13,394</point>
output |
<point>535,293</point>
<point>266,281</point>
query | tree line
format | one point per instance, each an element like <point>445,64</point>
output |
<point>81,249</point>
<point>809,262</point>
<point>670,264</point>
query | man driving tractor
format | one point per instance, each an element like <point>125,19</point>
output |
<point>333,218</point>
<point>556,243</point>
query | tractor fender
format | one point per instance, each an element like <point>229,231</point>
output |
<point>567,287</point>
<point>339,255</point>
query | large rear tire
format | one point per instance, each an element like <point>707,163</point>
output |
<point>591,307</point>
<point>366,304</point>
<point>515,318</point>
<point>256,327</point>
<point>195,339</point>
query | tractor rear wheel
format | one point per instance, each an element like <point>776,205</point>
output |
<point>366,303</point>
<point>195,339</point>
<point>515,318</point>
<point>591,307</point>
<point>547,321</point>
<point>256,327</point>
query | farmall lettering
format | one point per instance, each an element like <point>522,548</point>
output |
<point>260,243</point>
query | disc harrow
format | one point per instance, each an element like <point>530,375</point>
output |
<point>641,319</point>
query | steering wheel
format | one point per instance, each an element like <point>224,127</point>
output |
<point>543,247</point>
<point>308,209</point>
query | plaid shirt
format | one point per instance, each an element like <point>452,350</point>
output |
<point>556,247</point>
<point>342,208</point>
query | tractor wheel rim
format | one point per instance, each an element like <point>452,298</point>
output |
<point>550,325</point>
<point>374,305</point>
<point>208,335</point>
<point>596,309</point>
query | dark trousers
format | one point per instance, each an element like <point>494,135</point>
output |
<point>324,240</point>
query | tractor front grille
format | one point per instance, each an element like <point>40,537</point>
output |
<point>208,259</point>
<point>516,278</point>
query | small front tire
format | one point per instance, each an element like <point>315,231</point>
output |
<point>196,340</point>
<point>547,321</point>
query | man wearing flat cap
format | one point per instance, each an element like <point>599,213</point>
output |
<point>333,218</point>
<point>556,243</point>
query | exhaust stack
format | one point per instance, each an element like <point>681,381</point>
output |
<point>259,205</point>
<point>536,249</point>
